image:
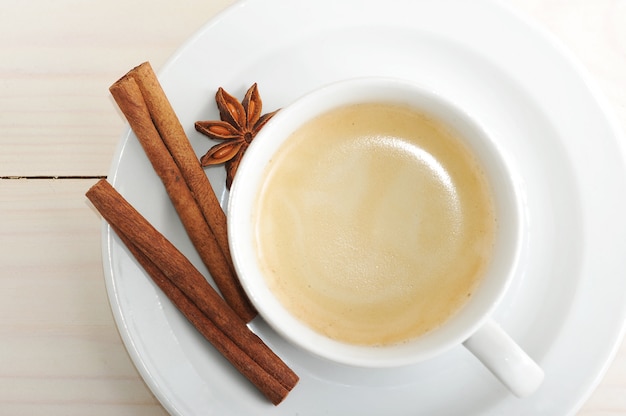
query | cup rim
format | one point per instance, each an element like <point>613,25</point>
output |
<point>248,179</point>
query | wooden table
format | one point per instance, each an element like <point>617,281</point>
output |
<point>60,352</point>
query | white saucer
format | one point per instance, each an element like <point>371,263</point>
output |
<point>567,308</point>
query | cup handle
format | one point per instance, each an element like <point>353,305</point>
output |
<point>505,359</point>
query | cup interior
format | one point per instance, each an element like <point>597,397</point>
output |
<point>384,90</point>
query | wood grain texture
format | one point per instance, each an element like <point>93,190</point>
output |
<point>57,60</point>
<point>60,352</point>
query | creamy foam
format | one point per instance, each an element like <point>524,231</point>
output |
<point>374,224</point>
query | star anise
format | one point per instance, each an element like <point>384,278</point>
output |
<point>240,123</point>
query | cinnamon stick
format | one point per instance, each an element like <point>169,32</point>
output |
<point>178,144</point>
<point>185,286</point>
<point>131,100</point>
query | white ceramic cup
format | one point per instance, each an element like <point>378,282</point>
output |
<point>472,326</point>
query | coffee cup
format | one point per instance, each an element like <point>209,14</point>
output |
<point>373,222</point>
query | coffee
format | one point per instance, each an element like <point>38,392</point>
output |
<point>374,224</point>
